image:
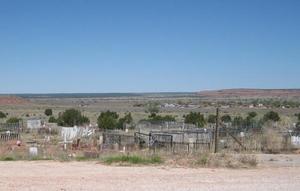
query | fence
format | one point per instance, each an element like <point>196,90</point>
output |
<point>201,140</point>
<point>116,140</point>
<point>9,136</point>
<point>181,147</point>
<point>14,127</point>
<point>154,140</point>
<point>10,131</point>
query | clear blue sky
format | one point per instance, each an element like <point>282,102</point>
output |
<point>51,46</point>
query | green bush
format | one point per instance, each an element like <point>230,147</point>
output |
<point>7,159</point>
<point>13,120</point>
<point>271,116</point>
<point>52,120</point>
<point>133,159</point>
<point>72,117</point>
<point>108,120</point>
<point>226,118</point>
<point>211,118</point>
<point>153,117</point>
<point>2,115</point>
<point>195,118</point>
<point>48,112</point>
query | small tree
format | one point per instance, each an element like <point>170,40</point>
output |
<point>48,112</point>
<point>298,127</point>
<point>252,114</point>
<point>250,119</point>
<point>159,118</point>
<point>72,117</point>
<point>13,120</point>
<point>237,121</point>
<point>127,119</point>
<point>52,120</point>
<point>226,118</point>
<point>108,120</point>
<point>195,118</point>
<point>211,118</point>
<point>271,116</point>
<point>152,108</point>
<point>298,116</point>
<point>2,115</point>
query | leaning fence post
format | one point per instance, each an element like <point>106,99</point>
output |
<point>216,131</point>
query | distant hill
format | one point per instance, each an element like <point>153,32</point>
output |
<point>250,93</point>
<point>12,100</point>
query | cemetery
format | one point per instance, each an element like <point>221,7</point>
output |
<point>39,140</point>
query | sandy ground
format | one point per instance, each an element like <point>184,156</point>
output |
<point>47,175</point>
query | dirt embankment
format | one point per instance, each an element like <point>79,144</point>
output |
<point>251,93</point>
<point>12,100</point>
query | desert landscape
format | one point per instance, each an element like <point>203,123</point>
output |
<point>154,95</point>
<point>106,165</point>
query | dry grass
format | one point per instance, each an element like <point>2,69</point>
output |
<point>272,141</point>
<point>231,161</point>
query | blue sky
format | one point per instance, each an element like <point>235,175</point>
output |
<point>57,46</point>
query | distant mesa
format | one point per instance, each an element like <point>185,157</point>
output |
<point>12,100</point>
<point>250,93</point>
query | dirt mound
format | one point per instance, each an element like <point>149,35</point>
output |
<point>12,100</point>
<point>251,93</point>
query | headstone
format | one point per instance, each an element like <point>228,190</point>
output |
<point>191,142</point>
<point>242,134</point>
<point>33,151</point>
<point>100,139</point>
<point>116,146</point>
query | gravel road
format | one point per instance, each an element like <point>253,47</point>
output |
<point>47,175</point>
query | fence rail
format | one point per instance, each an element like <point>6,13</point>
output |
<point>16,127</point>
<point>9,136</point>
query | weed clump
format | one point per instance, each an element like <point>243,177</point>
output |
<point>132,159</point>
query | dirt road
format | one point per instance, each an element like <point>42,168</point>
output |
<point>44,175</point>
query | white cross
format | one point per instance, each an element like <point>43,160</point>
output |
<point>65,142</point>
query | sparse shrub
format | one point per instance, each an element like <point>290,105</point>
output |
<point>249,160</point>
<point>7,159</point>
<point>211,118</point>
<point>298,116</point>
<point>13,120</point>
<point>159,118</point>
<point>108,120</point>
<point>224,160</point>
<point>271,116</point>
<point>195,118</point>
<point>152,107</point>
<point>252,114</point>
<point>238,121</point>
<point>127,119</point>
<point>2,115</point>
<point>48,112</point>
<point>272,141</point>
<point>52,120</point>
<point>204,159</point>
<point>226,118</point>
<point>72,117</point>
<point>82,158</point>
<point>132,159</point>
<point>111,120</point>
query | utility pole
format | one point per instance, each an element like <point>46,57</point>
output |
<point>216,131</point>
